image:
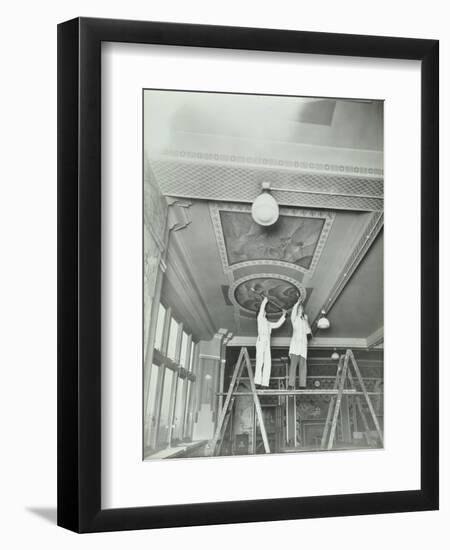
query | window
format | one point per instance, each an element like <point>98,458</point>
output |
<point>164,418</point>
<point>173,335</point>
<point>160,326</point>
<point>190,388</point>
<point>187,414</point>
<point>184,341</point>
<point>151,403</point>
<point>177,346</point>
<point>179,410</point>
<point>191,360</point>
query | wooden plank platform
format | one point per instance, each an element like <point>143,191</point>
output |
<point>299,392</point>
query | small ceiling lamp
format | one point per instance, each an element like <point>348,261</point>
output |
<point>335,355</point>
<point>265,209</point>
<point>323,322</point>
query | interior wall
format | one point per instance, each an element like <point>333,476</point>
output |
<point>155,244</point>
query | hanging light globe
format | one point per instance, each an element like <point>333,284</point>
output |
<point>265,210</point>
<point>323,322</point>
<point>335,355</point>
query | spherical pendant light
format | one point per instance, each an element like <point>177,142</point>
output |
<point>335,355</point>
<point>265,210</point>
<point>323,322</point>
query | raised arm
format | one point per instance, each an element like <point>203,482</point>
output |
<point>294,312</point>
<point>279,322</point>
<point>262,307</point>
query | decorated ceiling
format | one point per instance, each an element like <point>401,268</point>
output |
<point>291,239</point>
<point>296,240</point>
<point>328,238</point>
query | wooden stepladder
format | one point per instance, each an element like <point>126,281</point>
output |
<point>227,409</point>
<point>344,373</point>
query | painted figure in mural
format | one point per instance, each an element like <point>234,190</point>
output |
<point>263,356</point>
<point>298,350</point>
<point>293,239</point>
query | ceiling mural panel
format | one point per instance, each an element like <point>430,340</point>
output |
<point>291,239</point>
<point>282,292</point>
<point>296,240</point>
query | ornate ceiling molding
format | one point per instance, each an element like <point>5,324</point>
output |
<point>221,181</point>
<point>310,166</point>
<point>216,208</point>
<point>179,217</point>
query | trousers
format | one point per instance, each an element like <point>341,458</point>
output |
<point>263,363</point>
<point>301,362</point>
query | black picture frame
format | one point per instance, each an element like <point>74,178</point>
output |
<point>79,274</point>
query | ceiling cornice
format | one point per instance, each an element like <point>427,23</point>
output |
<point>232,182</point>
<point>307,158</point>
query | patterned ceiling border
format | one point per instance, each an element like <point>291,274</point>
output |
<point>232,288</point>
<point>368,236</point>
<point>215,209</point>
<point>242,183</point>
<point>280,163</point>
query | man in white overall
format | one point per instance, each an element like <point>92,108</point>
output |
<point>298,349</point>
<point>263,357</point>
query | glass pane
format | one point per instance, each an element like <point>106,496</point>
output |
<point>188,422</point>
<point>184,339</point>
<point>172,345</point>
<point>165,408</point>
<point>152,400</point>
<point>160,326</point>
<point>179,410</point>
<point>191,361</point>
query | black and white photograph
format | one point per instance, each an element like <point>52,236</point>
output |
<point>225,273</point>
<point>262,274</point>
